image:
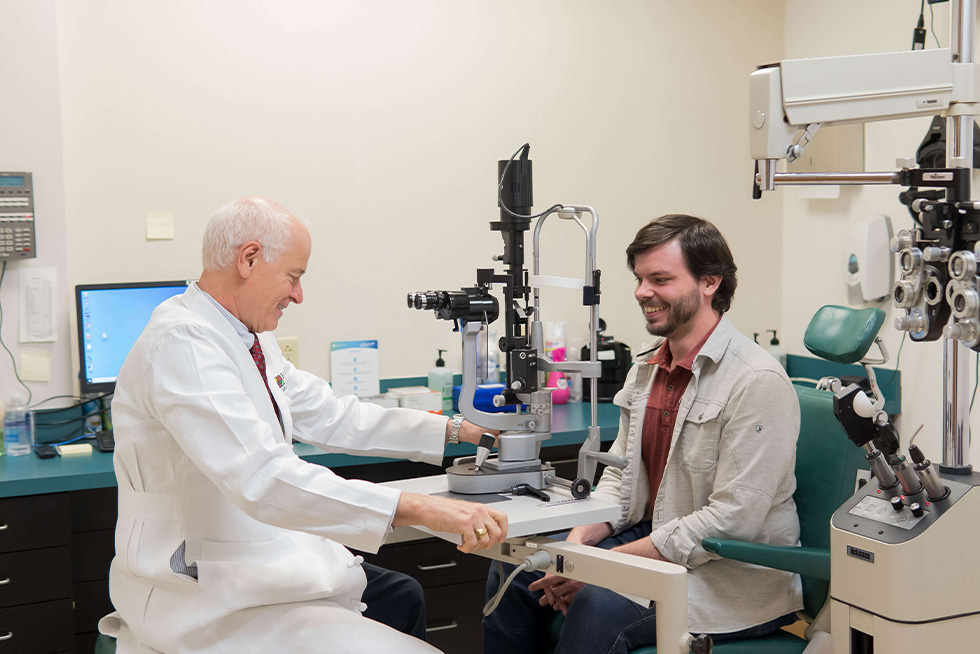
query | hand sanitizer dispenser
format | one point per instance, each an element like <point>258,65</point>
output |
<point>868,262</point>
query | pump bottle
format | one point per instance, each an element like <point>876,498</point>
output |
<point>441,380</point>
<point>775,351</point>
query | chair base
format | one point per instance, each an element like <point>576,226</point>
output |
<point>105,644</point>
<point>778,642</point>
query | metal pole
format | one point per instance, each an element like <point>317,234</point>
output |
<point>956,361</point>
<point>865,178</point>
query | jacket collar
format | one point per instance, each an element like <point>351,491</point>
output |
<point>713,349</point>
<point>195,300</point>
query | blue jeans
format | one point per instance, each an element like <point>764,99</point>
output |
<point>599,621</point>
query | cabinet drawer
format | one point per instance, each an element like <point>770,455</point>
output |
<point>37,628</point>
<point>92,553</point>
<point>34,521</point>
<point>92,603</point>
<point>453,617</point>
<point>93,509</point>
<point>432,562</point>
<point>35,576</point>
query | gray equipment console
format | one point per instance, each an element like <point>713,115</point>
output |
<point>17,239</point>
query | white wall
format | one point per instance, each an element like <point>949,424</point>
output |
<point>814,231</point>
<point>30,140</point>
<point>382,122</point>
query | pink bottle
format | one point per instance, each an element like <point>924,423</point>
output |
<point>556,380</point>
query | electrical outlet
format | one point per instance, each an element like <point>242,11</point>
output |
<point>290,349</point>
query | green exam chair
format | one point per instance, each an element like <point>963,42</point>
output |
<point>105,645</point>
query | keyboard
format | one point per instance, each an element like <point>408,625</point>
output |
<point>104,441</point>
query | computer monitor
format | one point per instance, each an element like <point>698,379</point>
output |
<point>110,319</point>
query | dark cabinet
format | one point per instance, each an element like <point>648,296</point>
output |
<point>454,585</point>
<point>55,552</point>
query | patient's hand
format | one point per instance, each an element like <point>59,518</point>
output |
<point>558,591</point>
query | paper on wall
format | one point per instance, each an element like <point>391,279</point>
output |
<point>38,320</point>
<point>354,368</point>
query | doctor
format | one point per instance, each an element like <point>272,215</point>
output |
<point>226,540</point>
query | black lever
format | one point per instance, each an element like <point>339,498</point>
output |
<point>528,489</point>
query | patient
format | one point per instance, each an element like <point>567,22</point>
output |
<point>709,423</point>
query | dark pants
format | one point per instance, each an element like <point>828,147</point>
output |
<point>394,599</point>
<point>599,621</point>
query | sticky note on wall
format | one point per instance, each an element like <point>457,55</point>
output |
<point>159,225</point>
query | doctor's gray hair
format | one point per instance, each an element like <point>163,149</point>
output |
<point>241,221</point>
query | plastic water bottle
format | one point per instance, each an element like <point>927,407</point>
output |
<point>17,436</point>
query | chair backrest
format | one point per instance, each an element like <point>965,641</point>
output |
<point>842,334</point>
<point>826,475</point>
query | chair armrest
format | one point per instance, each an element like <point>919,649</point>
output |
<point>809,561</point>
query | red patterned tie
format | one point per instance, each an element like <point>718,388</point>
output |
<point>259,359</point>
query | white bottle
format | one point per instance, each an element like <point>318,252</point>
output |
<point>774,350</point>
<point>493,353</point>
<point>441,379</point>
<point>574,353</point>
<point>17,437</point>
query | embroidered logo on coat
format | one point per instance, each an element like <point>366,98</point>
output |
<point>281,382</point>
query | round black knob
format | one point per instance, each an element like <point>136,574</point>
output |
<point>701,644</point>
<point>916,509</point>
<point>581,488</point>
<point>897,503</point>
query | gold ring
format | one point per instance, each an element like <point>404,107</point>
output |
<point>480,533</point>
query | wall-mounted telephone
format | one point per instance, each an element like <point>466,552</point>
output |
<point>17,240</point>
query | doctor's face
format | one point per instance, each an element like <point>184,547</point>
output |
<point>274,285</point>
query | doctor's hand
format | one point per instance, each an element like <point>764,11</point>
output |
<point>558,591</point>
<point>480,525</point>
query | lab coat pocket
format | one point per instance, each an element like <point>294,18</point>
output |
<point>245,574</point>
<point>698,440</point>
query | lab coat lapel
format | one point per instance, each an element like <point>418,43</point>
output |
<point>196,302</point>
<point>274,372</point>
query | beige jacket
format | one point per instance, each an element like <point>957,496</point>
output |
<point>729,474</point>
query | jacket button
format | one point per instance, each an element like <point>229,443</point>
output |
<point>358,560</point>
<point>629,402</point>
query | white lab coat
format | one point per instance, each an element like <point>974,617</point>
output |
<point>201,459</point>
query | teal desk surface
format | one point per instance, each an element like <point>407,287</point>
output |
<point>29,475</point>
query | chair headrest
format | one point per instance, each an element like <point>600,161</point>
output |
<point>842,334</point>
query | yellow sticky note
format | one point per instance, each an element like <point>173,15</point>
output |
<point>35,365</point>
<point>159,225</point>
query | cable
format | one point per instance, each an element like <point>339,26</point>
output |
<point>932,22</point>
<point>500,191</point>
<point>537,561</point>
<point>70,440</point>
<point>976,380</point>
<point>82,400</point>
<point>919,33</point>
<point>3,271</point>
<point>898,359</point>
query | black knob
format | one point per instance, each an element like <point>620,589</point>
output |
<point>897,503</point>
<point>701,644</point>
<point>916,509</point>
<point>581,488</point>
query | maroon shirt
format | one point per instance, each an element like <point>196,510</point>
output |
<point>661,414</point>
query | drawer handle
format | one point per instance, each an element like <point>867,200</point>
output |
<point>429,630</point>
<point>4,582</point>
<point>437,566</point>
<point>7,636</point>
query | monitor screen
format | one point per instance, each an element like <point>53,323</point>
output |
<point>110,319</point>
